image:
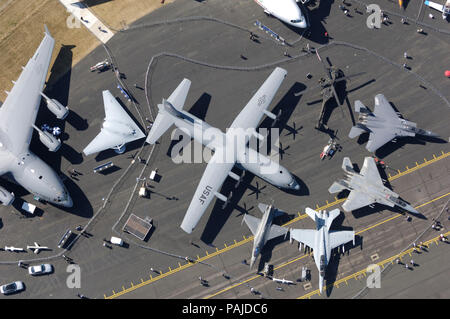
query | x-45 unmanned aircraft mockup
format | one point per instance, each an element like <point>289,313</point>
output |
<point>118,128</point>
<point>286,10</point>
<point>171,112</point>
<point>17,117</point>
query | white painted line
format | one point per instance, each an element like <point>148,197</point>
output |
<point>88,19</point>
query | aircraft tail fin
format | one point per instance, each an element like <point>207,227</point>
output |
<point>331,216</point>
<point>347,165</point>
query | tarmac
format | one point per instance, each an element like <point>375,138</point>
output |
<point>208,52</point>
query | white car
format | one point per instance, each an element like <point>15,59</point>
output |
<point>40,269</point>
<point>12,287</point>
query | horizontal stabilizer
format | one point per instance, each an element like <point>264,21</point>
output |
<point>355,131</point>
<point>331,216</point>
<point>161,124</point>
<point>178,97</point>
<point>336,187</point>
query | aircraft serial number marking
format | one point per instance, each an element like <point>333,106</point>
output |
<point>206,192</point>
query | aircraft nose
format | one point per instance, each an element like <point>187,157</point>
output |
<point>294,184</point>
<point>303,24</point>
<point>67,203</point>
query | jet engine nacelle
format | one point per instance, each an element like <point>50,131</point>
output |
<point>56,108</point>
<point>6,197</point>
<point>52,143</point>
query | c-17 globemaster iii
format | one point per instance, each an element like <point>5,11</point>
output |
<point>262,229</point>
<point>321,239</point>
<point>383,124</point>
<point>17,117</point>
<point>366,187</point>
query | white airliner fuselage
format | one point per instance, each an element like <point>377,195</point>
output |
<point>287,11</point>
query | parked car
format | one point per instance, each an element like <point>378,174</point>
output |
<point>40,269</point>
<point>12,287</point>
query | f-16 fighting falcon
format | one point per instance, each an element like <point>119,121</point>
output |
<point>366,187</point>
<point>322,240</point>
<point>17,117</point>
<point>384,124</point>
<point>262,229</point>
<point>171,112</point>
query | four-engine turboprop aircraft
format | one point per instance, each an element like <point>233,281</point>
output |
<point>227,153</point>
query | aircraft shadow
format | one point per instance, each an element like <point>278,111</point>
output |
<point>266,253</point>
<point>200,107</point>
<point>317,18</point>
<point>391,146</point>
<point>110,153</point>
<point>89,3</point>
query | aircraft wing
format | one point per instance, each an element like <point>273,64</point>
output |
<point>338,238</point>
<point>276,231</point>
<point>356,200</point>
<point>254,110</point>
<point>252,223</point>
<point>378,137</point>
<point>370,171</point>
<point>305,236</point>
<point>435,5</point>
<point>215,174</point>
<point>18,112</point>
<point>118,127</point>
<point>383,109</point>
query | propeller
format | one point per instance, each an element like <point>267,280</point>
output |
<point>293,130</point>
<point>257,190</point>
<point>282,150</point>
<point>244,210</point>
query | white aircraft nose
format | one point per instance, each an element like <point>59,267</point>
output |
<point>67,203</point>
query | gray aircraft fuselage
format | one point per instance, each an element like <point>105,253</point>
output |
<point>260,238</point>
<point>379,193</point>
<point>33,174</point>
<point>214,139</point>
